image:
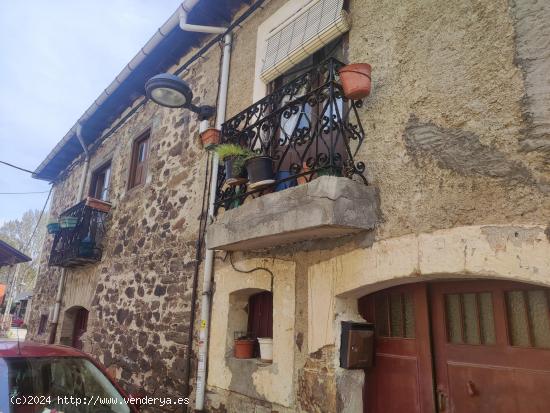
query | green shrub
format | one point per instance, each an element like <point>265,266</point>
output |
<point>228,149</point>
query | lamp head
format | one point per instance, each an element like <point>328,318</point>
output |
<point>169,90</point>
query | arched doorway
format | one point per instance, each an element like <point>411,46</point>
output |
<point>75,324</point>
<point>459,346</point>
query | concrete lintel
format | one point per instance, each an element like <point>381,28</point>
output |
<point>326,207</point>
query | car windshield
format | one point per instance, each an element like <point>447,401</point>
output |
<point>56,385</point>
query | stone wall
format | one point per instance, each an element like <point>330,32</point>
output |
<point>139,295</point>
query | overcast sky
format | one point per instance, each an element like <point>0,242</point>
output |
<point>56,57</point>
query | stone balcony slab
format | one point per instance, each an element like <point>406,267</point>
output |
<point>327,207</point>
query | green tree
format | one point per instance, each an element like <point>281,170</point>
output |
<point>17,233</point>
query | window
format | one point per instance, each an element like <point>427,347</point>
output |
<point>316,25</point>
<point>394,315</point>
<point>99,187</point>
<point>42,324</point>
<point>529,318</point>
<point>140,154</point>
<point>470,318</point>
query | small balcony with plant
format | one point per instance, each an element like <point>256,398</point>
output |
<point>78,234</point>
<point>289,168</point>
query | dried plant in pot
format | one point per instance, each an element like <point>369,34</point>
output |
<point>233,157</point>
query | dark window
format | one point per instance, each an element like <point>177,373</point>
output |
<point>260,314</point>
<point>80,327</point>
<point>140,154</point>
<point>42,324</point>
<point>99,187</point>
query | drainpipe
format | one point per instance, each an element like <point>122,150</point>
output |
<point>187,6</point>
<point>61,282</point>
<point>209,258</point>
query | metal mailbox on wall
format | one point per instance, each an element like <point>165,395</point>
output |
<point>357,345</point>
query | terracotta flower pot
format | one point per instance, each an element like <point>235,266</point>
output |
<point>356,80</point>
<point>244,348</point>
<point>98,204</point>
<point>210,138</point>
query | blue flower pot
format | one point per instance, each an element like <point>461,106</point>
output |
<point>281,186</point>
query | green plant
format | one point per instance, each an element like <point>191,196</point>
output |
<point>227,150</point>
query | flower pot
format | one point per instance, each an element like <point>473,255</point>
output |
<point>260,171</point>
<point>210,138</point>
<point>234,171</point>
<point>266,348</point>
<point>53,228</point>
<point>244,348</point>
<point>289,183</point>
<point>98,204</point>
<point>68,222</point>
<point>356,80</point>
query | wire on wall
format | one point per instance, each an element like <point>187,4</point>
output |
<point>230,253</point>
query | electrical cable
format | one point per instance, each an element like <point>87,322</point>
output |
<point>230,253</point>
<point>23,193</point>
<point>16,167</point>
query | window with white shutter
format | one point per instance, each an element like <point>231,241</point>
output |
<point>313,27</point>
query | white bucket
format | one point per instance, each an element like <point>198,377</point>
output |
<point>266,348</point>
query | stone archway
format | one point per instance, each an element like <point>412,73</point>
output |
<point>74,326</point>
<point>508,252</point>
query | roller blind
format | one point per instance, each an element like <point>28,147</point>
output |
<point>316,25</point>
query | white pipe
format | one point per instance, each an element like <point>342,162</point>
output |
<point>209,256</point>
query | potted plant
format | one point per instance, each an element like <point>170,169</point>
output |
<point>233,156</point>
<point>210,138</point>
<point>266,349</point>
<point>260,171</point>
<point>356,80</point>
<point>68,222</point>
<point>53,226</point>
<point>244,346</point>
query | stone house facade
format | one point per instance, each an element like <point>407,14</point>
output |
<point>456,150</point>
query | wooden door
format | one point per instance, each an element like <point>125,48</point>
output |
<point>80,327</point>
<point>401,380</point>
<point>491,343</point>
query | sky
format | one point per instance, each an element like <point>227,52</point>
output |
<point>56,57</point>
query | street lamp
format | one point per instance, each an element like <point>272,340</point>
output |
<point>170,91</point>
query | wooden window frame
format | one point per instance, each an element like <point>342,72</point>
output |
<point>144,137</point>
<point>93,181</point>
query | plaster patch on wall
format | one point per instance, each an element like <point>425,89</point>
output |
<point>462,152</point>
<point>498,237</point>
<point>532,38</point>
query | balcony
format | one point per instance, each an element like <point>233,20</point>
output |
<point>79,242</point>
<point>312,133</point>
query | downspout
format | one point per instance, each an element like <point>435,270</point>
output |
<point>61,281</point>
<point>187,6</point>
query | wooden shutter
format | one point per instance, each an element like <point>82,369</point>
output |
<point>260,314</point>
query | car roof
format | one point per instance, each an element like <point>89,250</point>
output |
<point>10,348</point>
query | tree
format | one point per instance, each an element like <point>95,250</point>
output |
<point>17,233</point>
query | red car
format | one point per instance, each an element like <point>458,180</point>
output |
<point>17,322</point>
<point>38,378</point>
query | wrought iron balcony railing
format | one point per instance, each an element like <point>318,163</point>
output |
<point>308,127</point>
<point>79,241</point>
